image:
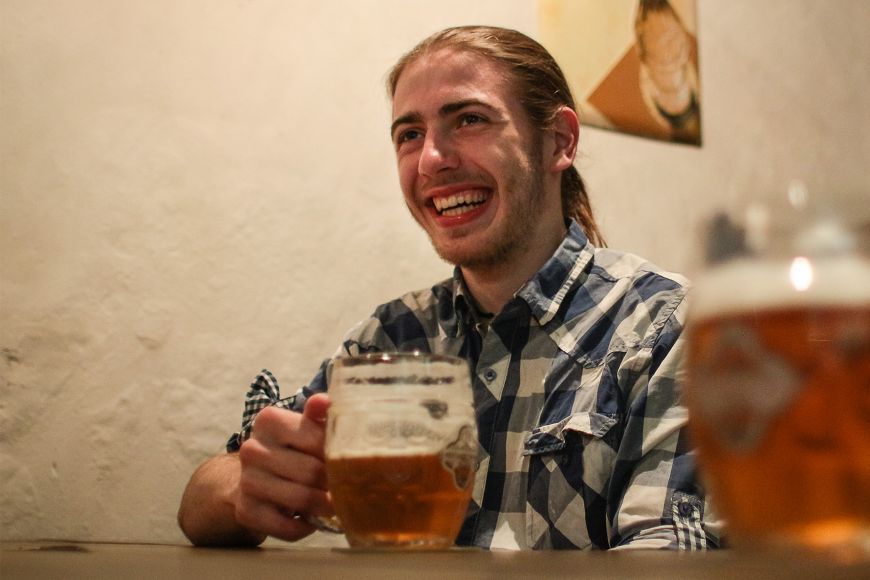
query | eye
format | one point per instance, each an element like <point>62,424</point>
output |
<point>470,119</point>
<point>407,135</point>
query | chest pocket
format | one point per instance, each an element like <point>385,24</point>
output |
<point>568,465</point>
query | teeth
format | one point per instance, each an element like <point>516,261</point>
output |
<point>457,210</point>
<point>456,204</point>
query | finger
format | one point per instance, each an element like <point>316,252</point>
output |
<point>316,407</point>
<point>284,463</point>
<point>274,426</point>
<point>260,486</point>
<point>271,520</point>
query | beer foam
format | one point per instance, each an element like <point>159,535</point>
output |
<point>359,434</point>
<point>410,451</point>
<point>747,285</point>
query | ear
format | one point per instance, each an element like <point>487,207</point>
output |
<point>566,133</point>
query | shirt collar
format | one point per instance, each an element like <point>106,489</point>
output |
<point>546,290</point>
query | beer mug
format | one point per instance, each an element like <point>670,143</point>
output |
<point>401,448</point>
<point>779,373</point>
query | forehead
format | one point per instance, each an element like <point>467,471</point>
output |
<point>447,75</point>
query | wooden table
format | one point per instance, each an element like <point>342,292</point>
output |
<point>71,561</point>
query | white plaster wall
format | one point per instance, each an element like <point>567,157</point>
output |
<point>193,190</point>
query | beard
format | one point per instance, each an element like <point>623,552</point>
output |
<point>511,236</point>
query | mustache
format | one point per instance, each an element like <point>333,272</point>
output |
<point>458,176</point>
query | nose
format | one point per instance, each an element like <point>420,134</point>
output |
<point>438,154</point>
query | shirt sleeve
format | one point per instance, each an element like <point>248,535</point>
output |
<point>366,336</point>
<point>265,392</point>
<point>655,499</point>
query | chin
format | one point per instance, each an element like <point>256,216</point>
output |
<point>454,255</point>
<point>479,250</point>
<point>473,257</point>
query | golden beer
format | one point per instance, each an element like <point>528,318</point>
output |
<point>779,398</point>
<point>401,449</point>
<point>398,500</point>
<point>785,442</point>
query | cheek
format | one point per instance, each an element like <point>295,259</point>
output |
<point>407,167</point>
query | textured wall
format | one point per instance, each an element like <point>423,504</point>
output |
<point>193,190</point>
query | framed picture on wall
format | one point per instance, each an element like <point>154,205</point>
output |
<point>632,64</point>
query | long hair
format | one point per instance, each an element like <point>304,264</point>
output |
<point>542,89</point>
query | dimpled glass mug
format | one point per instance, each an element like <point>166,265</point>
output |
<point>779,372</point>
<point>401,448</point>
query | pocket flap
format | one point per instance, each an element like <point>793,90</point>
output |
<point>549,438</point>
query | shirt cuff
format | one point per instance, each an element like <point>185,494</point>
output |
<point>264,392</point>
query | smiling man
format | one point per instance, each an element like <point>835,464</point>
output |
<point>474,172</point>
<point>575,350</point>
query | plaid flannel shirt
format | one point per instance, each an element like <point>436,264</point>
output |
<point>576,386</point>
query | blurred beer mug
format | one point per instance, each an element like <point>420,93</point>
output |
<point>401,448</point>
<point>779,372</point>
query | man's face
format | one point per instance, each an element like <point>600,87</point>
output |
<point>470,164</point>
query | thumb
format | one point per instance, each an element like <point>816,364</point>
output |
<point>316,407</point>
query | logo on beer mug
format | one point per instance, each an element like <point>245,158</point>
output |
<point>460,457</point>
<point>747,386</point>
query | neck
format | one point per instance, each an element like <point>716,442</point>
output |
<point>494,285</point>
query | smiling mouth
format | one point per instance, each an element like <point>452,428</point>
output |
<point>458,204</point>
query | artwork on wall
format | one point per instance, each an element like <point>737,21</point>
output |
<point>632,64</point>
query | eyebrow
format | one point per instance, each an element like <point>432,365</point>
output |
<point>444,111</point>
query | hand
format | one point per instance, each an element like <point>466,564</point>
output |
<point>283,472</point>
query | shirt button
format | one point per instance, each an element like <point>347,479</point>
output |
<point>489,375</point>
<point>685,509</point>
